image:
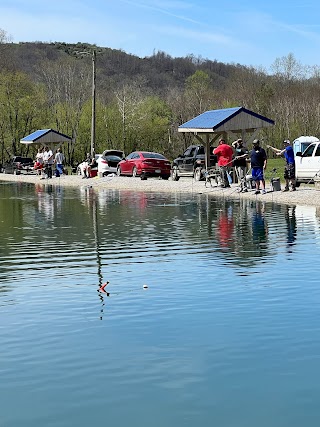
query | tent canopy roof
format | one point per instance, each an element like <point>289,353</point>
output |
<point>226,120</point>
<point>45,137</point>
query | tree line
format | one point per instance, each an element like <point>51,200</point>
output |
<point>140,102</point>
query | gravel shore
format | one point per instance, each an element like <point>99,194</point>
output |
<point>304,195</point>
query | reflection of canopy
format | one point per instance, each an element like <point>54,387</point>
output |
<point>45,137</point>
<point>236,122</point>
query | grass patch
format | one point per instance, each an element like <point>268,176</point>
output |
<point>278,164</point>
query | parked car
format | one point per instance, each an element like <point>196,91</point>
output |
<point>192,163</point>
<point>81,166</point>
<point>19,165</point>
<point>145,164</point>
<point>308,164</point>
<point>108,161</point>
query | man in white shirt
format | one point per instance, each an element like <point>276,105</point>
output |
<point>48,162</point>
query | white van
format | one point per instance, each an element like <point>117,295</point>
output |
<point>308,163</point>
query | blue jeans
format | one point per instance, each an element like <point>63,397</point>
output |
<point>59,169</point>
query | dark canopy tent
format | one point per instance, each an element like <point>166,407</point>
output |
<point>229,122</point>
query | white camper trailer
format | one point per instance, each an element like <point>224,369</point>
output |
<point>301,143</point>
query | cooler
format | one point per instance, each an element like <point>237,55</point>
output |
<point>275,184</point>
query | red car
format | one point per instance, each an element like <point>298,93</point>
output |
<point>144,164</point>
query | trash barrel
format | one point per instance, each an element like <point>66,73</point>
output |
<point>275,183</point>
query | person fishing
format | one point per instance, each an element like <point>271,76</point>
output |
<point>240,163</point>
<point>289,170</point>
<point>224,154</point>
<point>258,158</point>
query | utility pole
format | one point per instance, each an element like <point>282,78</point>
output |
<point>93,114</point>
<point>93,111</point>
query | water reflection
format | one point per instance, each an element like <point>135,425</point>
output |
<point>102,229</point>
<point>259,226</point>
<point>46,199</point>
<point>60,245</point>
<point>225,227</point>
<point>290,217</point>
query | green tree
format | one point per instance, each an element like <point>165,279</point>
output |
<point>152,120</point>
<point>22,107</point>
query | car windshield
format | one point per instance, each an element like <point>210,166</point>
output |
<point>308,152</point>
<point>153,156</point>
<point>202,150</point>
<point>23,159</point>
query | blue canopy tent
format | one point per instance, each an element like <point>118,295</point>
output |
<point>233,122</point>
<point>45,138</point>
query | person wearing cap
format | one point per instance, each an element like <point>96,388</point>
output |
<point>224,155</point>
<point>258,158</point>
<point>58,160</point>
<point>289,169</point>
<point>240,163</point>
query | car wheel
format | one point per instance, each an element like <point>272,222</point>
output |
<point>134,172</point>
<point>298,184</point>
<point>175,175</point>
<point>197,174</point>
<point>165,177</point>
<point>118,171</point>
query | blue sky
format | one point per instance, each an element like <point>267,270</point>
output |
<point>245,32</point>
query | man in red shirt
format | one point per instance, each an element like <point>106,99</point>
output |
<point>224,154</point>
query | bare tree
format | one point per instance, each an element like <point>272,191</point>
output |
<point>128,100</point>
<point>5,57</point>
<point>68,85</point>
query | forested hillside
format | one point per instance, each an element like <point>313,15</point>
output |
<point>140,102</point>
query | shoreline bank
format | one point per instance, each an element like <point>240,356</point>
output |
<point>304,195</point>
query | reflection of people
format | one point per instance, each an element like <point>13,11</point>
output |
<point>240,163</point>
<point>225,228</point>
<point>289,170</point>
<point>224,154</point>
<point>258,158</point>
<point>259,227</point>
<point>46,203</point>
<point>290,216</point>
<point>59,159</point>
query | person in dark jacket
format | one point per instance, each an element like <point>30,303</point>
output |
<point>240,163</point>
<point>258,158</point>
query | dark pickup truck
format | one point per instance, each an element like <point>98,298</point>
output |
<point>19,165</point>
<point>192,163</point>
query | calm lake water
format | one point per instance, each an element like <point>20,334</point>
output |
<point>226,334</point>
